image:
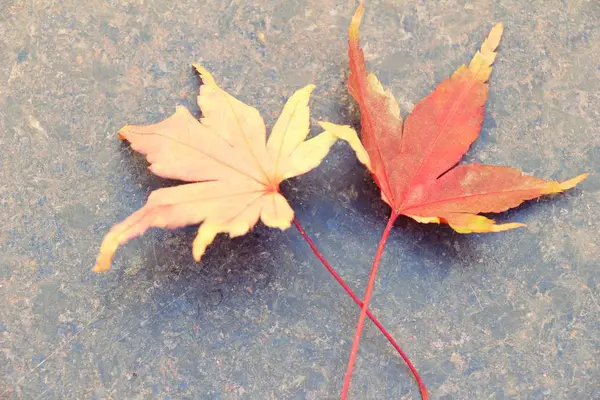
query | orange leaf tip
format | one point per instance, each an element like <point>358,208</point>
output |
<point>353,32</point>
<point>469,223</point>
<point>120,134</point>
<point>571,183</point>
<point>481,224</point>
<point>107,250</point>
<point>481,64</point>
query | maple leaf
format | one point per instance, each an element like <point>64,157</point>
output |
<point>414,163</point>
<point>235,171</point>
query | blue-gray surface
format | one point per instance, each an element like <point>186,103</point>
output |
<point>513,315</point>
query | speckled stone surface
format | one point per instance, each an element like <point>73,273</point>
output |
<point>514,315</point>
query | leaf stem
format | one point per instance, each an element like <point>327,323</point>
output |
<point>339,279</point>
<point>363,313</point>
<point>365,306</point>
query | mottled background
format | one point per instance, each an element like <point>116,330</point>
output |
<point>513,315</point>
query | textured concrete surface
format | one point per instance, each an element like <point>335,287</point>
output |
<point>500,316</point>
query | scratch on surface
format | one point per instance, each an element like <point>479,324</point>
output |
<point>592,296</point>
<point>144,322</point>
<point>56,350</point>
<point>153,249</point>
<point>42,394</point>
<point>476,297</point>
<point>76,335</point>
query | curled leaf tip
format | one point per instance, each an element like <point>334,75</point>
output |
<point>481,64</point>
<point>120,134</point>
<point>493,39</point>
<point>206,235</point>
<point>506,227</point>
<point>571,183</point>
<point>480,224</point>
<point>107,251</point>
<point>355,24</point>
<point>310,87</point>
<point>206,76</point>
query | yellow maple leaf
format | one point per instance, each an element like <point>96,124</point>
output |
<point>235,171</point>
